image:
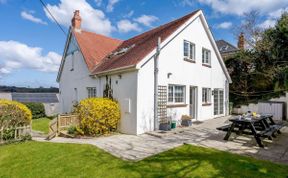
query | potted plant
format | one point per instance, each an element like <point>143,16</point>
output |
<point>165,124</point>
<point>186,120</point>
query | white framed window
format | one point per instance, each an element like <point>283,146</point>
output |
<point>92,92</point>
<point>206,56</point>
<point>176,94</point>
<point>189,50</point>
<point>206,95</point>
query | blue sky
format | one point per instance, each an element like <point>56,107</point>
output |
<point>31,44</point>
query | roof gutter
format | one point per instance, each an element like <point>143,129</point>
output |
<point>116,71</point>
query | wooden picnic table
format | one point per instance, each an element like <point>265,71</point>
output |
<point>263,126</point>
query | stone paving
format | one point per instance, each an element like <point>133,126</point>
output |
<point>132,147</point>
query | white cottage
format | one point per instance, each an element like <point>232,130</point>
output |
<point>191,80</point>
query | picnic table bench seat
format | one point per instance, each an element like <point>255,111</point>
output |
<point>263,126</point>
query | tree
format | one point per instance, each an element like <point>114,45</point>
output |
<point>261,70</point>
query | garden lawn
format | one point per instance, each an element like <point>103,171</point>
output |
<point>41,124</point>
<point>39,159</point>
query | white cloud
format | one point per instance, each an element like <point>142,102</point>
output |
<point>239,7</point>
<point>15,55</point>
<point>187,3</point>
<point>98,2</point>
<point>125,26</point>
<point>224,25</point>
<point>92,19</point>
<point>111,4</point>
<point>30,17</point>
<point>268,23</point>
<point>146,20</point>
<point>277,14</point>
<point>129,14</point>
<point>272,18</point>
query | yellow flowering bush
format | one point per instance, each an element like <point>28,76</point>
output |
<point>13,114</point>
<point>98,115</point>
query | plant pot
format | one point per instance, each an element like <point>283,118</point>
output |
<point>173,125</point>
<point>164,126</point>
<point>186,123</point>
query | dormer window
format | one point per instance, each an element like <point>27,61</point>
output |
<point>189,51</point>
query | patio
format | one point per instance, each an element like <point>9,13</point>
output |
<point>130,147</point>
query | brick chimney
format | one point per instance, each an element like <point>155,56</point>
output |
<point>76,21</point>
<point>241,41</point>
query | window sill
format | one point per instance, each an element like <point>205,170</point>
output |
<point>189,60</point>
<point>206,65</point>
<point>206,104</point>
<point>176,105</point>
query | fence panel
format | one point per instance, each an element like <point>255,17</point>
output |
<point>18,133</point>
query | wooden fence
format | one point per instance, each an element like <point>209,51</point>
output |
<point>60,123</point>
<point>18,133</point>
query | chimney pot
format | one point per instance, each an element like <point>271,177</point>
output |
<point>76,21</point>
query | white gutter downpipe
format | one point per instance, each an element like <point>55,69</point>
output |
<point>156,70</point>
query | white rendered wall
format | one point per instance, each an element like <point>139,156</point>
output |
<point>125,92</point>
<point>183,73</point>
<point>78,78</point>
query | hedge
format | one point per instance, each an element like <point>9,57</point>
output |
<point>37,109</point>
<point>13,114</point>
<point>98,115</point>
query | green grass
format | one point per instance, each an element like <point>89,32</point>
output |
<point>36,159</point>
<point>41,124</point>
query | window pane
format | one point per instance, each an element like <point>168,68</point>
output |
<point>203,56</point>
<point>92,92</point>
<point>216,96</point>
<point>191,51</point>
<point>186,48</point>
<point>170,94</point>
<point>221,102</point>
<point>179,94</point>
<point>206,95</point>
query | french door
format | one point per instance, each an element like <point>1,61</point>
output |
<point>218,101</point>
<point>193,102</point>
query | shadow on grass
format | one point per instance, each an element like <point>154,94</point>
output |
<point>191,161</point>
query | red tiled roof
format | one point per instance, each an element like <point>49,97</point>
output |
<point>95,47</point>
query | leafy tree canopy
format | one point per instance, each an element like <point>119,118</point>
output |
<point>260,72</point>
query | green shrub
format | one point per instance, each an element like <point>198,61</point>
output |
<point>98,115</point>
<point>71,130</point>
<point>13,114</point>
<point>8,134</point>
<point>37,109</point>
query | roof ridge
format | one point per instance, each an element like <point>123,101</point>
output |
<point>112,38</point>
<point>164,25</point>
<point>148,37</point>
